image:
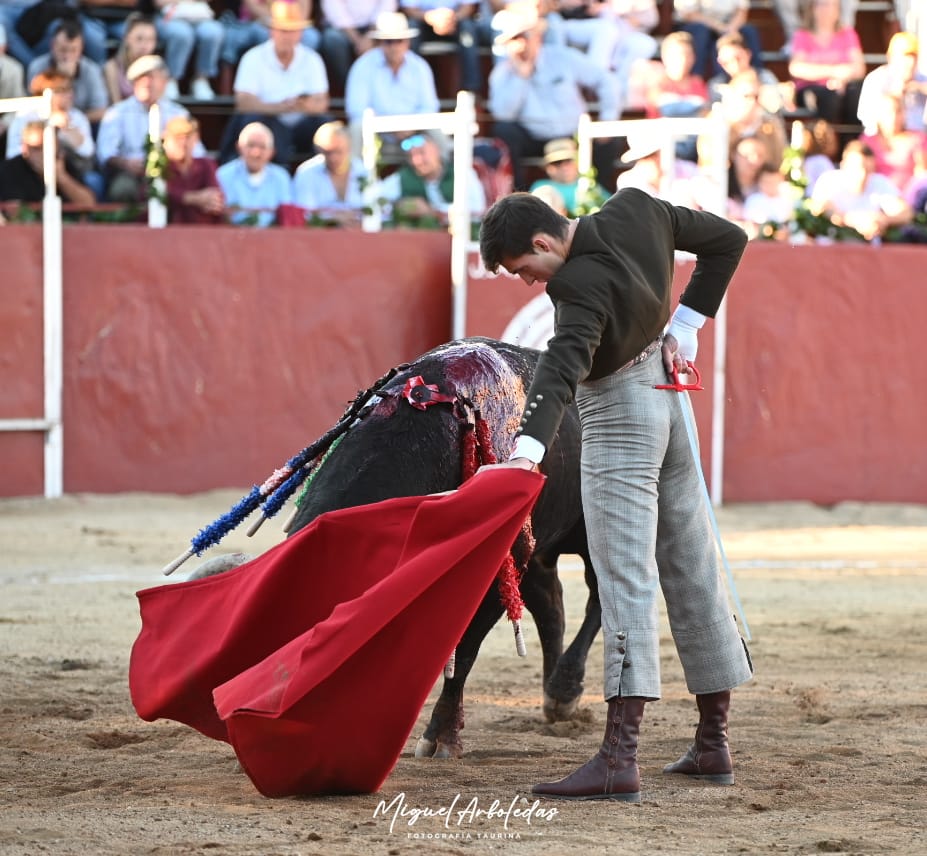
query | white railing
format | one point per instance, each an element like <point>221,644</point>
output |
<point>53,363</point>
<point>461,125</point>
<point>714,131</point>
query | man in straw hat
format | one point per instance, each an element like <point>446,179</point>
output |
<point>562,168</point>
<point>390,79</point>
<point>281,83</point>
<point>536,91</point>
<point>610,276</point>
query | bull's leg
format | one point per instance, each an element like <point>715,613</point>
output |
<point>565,686</point>
<point>442,736</point>
<point>543,597</point>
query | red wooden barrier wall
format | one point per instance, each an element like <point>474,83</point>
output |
<point>203,357</point>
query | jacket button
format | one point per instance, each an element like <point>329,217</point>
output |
<point>621,650</point>
<point>626,664</point>
<point>539,396</point>
<point>533,405</point>
<point>621,637</point>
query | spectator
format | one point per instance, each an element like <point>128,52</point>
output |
<point>827,64</point>
<point>647,173</point>
<point>422,189</point>
<point>536,93</point>
<point>252,182</point>
<point>30,25</point>
<point>899,76</point>
<point>333,180</point>
<point>281,83</point>
<point>348,24</point>
<point>450,21</point>
<point>104,21</point>
<point>855,195</point>
<point>820,145</point>
<point>75,139</point>
<point>183,27</point>
<point>745,116</point>
<point>899,153</point>
<point>22,177</point>
<point>677,90</point>
<point>734,58</point>
<point>789,12</point>
<point>389,79</point>
<point>193,191</point>
<point>562,168</point>
<point>123,135</point>
<point>67,56</point>
<point>748,158</point>
<point>772,202</point>
<point>706,20</point>
<point>11,78</point>
<point>251,26</point>
<point>140,38</point>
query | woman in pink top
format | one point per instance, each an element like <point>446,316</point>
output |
<point>827,64</point>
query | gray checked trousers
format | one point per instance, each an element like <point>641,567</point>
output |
<point>647,525</point>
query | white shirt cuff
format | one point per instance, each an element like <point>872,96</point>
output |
<point>687,315</point>
<point>528,447</point>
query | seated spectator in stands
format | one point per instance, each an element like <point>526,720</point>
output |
<point>827,64</point>
<point>67,56</point>
<point>283,84</point>
<point>734,59</point>
<point>389,79</point>
<point>422,189</point>
<point>899,76</point>
<point>105,21</point>
<point>347,33</point>
<point>789,12</point>
<point>820,145</point>
<point>22,177</point>
<point>677,90</point>
<point>30,25</point>
<point>332,181</point>
<point>536,93</point>
<point>855,195</point>
<point>748,158</point>
<point>193,191</point>
<point>11,79</point>
<point>247,24</point>
<point>450,21</point>
<point>772,202</point>
<point>647,172</point>
<point>562,168</point>
<point>252,182</point>
<point>140,38</point>
<point>181,28</point>
<point>123,135</point>
<point>74,135</point>
<point>745,116</point>
<point>898,152</point>
<point>706,20</point>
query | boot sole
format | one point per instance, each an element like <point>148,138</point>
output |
<point>714,778</point>
<point>629,798</point>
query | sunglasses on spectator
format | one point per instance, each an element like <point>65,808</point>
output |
<point>413,142</point>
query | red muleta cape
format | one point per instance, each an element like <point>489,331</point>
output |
<point>314,659</point>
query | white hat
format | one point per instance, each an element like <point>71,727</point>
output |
<point>640,145</point>
<point>145,65</point>
<point>392,26</point>
<point>515,19</point>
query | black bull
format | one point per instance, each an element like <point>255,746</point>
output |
<point>395,449</point>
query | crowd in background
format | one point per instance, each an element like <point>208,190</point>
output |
<point>835,148</point>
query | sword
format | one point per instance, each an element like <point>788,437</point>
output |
<point>682,389</point>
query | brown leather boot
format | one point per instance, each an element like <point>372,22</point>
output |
<point>709,758</point>
<point>613,773</point>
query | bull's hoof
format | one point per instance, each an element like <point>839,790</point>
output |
<point>557,710</point>
<point>425,748</point>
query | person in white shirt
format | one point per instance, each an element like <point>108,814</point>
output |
<point>899,76</point>
<point>772,202</point>
<point>282,84</point>
<point>333,181</point>
<point>390,79</point>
